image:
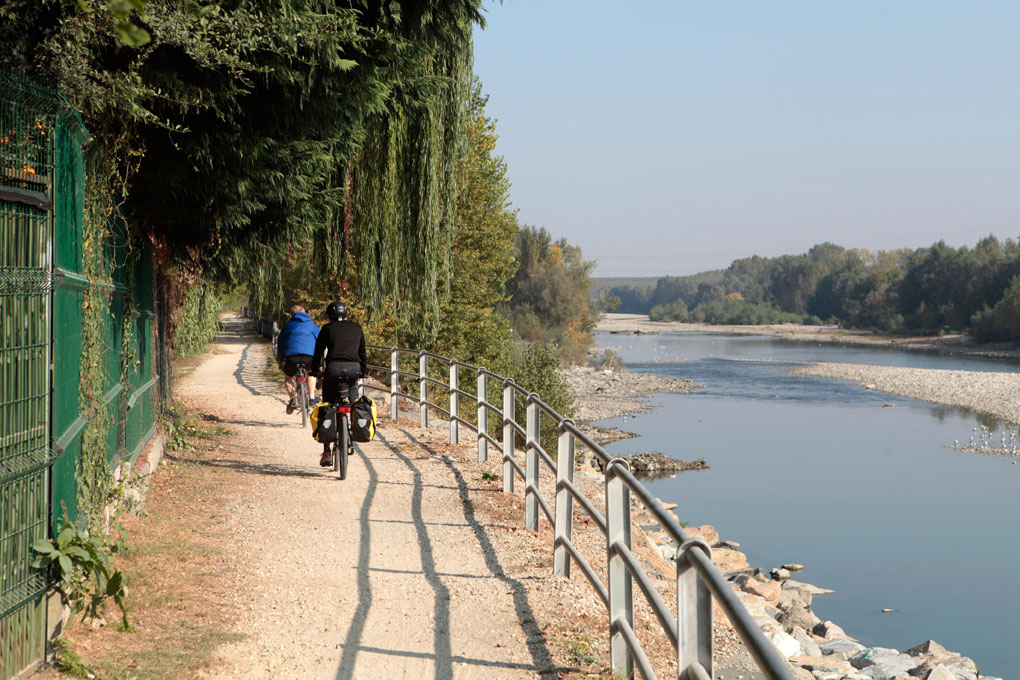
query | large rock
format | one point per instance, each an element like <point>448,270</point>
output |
<point>840,648</point>
<point>807,644</point>
<point>770,590</point>
<point>785,644</point>
<point>811,590</point>
<point>824,664</point>
<point>830,631</point>
<point>799,595</point>
<point>755,604</point>
<point>793,598</point>
<point>929,648</point>
<point>706,532</point>
<point>961,667</point>
<point>881,663</point>
<point>940,672</point>
<point>965,668</point>
<point>779,574</point>
<point>653,461</point>
<point>727,559</point>
<point>801,673</point>
<point>805,618</point>
<point>768,624</point>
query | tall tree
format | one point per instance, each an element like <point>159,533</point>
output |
<point>549,293</point>
<point>484,232</point>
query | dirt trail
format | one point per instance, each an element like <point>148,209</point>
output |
<point>386,574</point>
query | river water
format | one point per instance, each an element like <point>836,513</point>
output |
<point>858,486</point>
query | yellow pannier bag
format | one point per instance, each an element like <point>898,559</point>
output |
<point>324,426</point>
<point>363,419</point>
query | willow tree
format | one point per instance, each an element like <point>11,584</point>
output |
<point>236,126</point>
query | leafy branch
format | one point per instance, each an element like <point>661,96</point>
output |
<point>83,571</point>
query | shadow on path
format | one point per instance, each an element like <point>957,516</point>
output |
<point>541,659</point>
<point>442,657</point>
<point>270,469</point>
<point>352,641</point>
<point>253,378</point>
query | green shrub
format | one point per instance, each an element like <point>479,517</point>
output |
<point>1001,322</point>
<point>195,320</point>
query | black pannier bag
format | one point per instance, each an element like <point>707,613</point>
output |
<point>324,425</point>
<point>363,418</point>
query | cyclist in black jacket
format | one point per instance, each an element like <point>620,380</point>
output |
<point>341,343</point>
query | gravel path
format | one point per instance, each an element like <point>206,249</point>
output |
<point>416,566</point>
<point>996,394</point>
<point>380,575</point>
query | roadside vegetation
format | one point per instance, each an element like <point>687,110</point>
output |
<point>178,604</point>
<point>937,289</point>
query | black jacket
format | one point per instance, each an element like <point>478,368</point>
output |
<point>340,341</point>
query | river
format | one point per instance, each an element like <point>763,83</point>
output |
<point>859,486</point>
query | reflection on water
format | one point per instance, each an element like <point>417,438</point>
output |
<point>857,485</point>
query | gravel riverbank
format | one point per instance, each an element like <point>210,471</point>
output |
<point>946,344</point>
<point>997,394</point>
<point>600,394</point>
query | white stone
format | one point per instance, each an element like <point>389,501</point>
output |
<point>785,644</point>
<point>940,672</point>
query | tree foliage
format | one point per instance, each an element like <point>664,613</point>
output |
<point>254,126</point>
<point>928,290</point>
<point>549,293</point>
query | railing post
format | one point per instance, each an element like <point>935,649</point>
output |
<point>509,436</point>
<point>621,605</point>
<point>454,403</point>
<point>531,465</point>
<point>564,501</point>
<point>694,610</point>
<point>483,416</point>
<point>423,389</point>
<point>394,383</point>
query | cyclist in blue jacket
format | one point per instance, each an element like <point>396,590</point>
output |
<point>294,347</point>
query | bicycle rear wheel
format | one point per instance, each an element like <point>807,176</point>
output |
<point>341,447</point>
<point>303,401</point>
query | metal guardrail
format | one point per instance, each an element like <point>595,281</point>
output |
<point>698,580</point>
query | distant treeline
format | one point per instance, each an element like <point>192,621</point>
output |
<point>930,290</point>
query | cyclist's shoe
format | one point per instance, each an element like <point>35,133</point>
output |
<point>326,460</point>
<point>292,405</point>
<point>315,401</point>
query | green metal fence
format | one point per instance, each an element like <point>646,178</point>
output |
<point>42,291</point>
<point>27,127</point>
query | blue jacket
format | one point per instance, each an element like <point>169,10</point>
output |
<point>297,337</point>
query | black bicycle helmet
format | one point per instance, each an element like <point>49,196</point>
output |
<point>336,311</point>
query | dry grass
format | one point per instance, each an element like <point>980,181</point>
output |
<point>179,611</point>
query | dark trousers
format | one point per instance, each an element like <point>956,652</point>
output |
<point>340,381</point>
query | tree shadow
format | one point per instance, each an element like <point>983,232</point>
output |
<point>269,469</point>
<point>253,378</point>
<point>442,656</point>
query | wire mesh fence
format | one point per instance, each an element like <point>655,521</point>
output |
<point>44,287</point>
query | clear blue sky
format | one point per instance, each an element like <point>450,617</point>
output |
<point>671,137</point>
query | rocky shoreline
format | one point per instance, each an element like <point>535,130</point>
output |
<point>599,394</point>
<point>815,649</point>
<point>779,604</point>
